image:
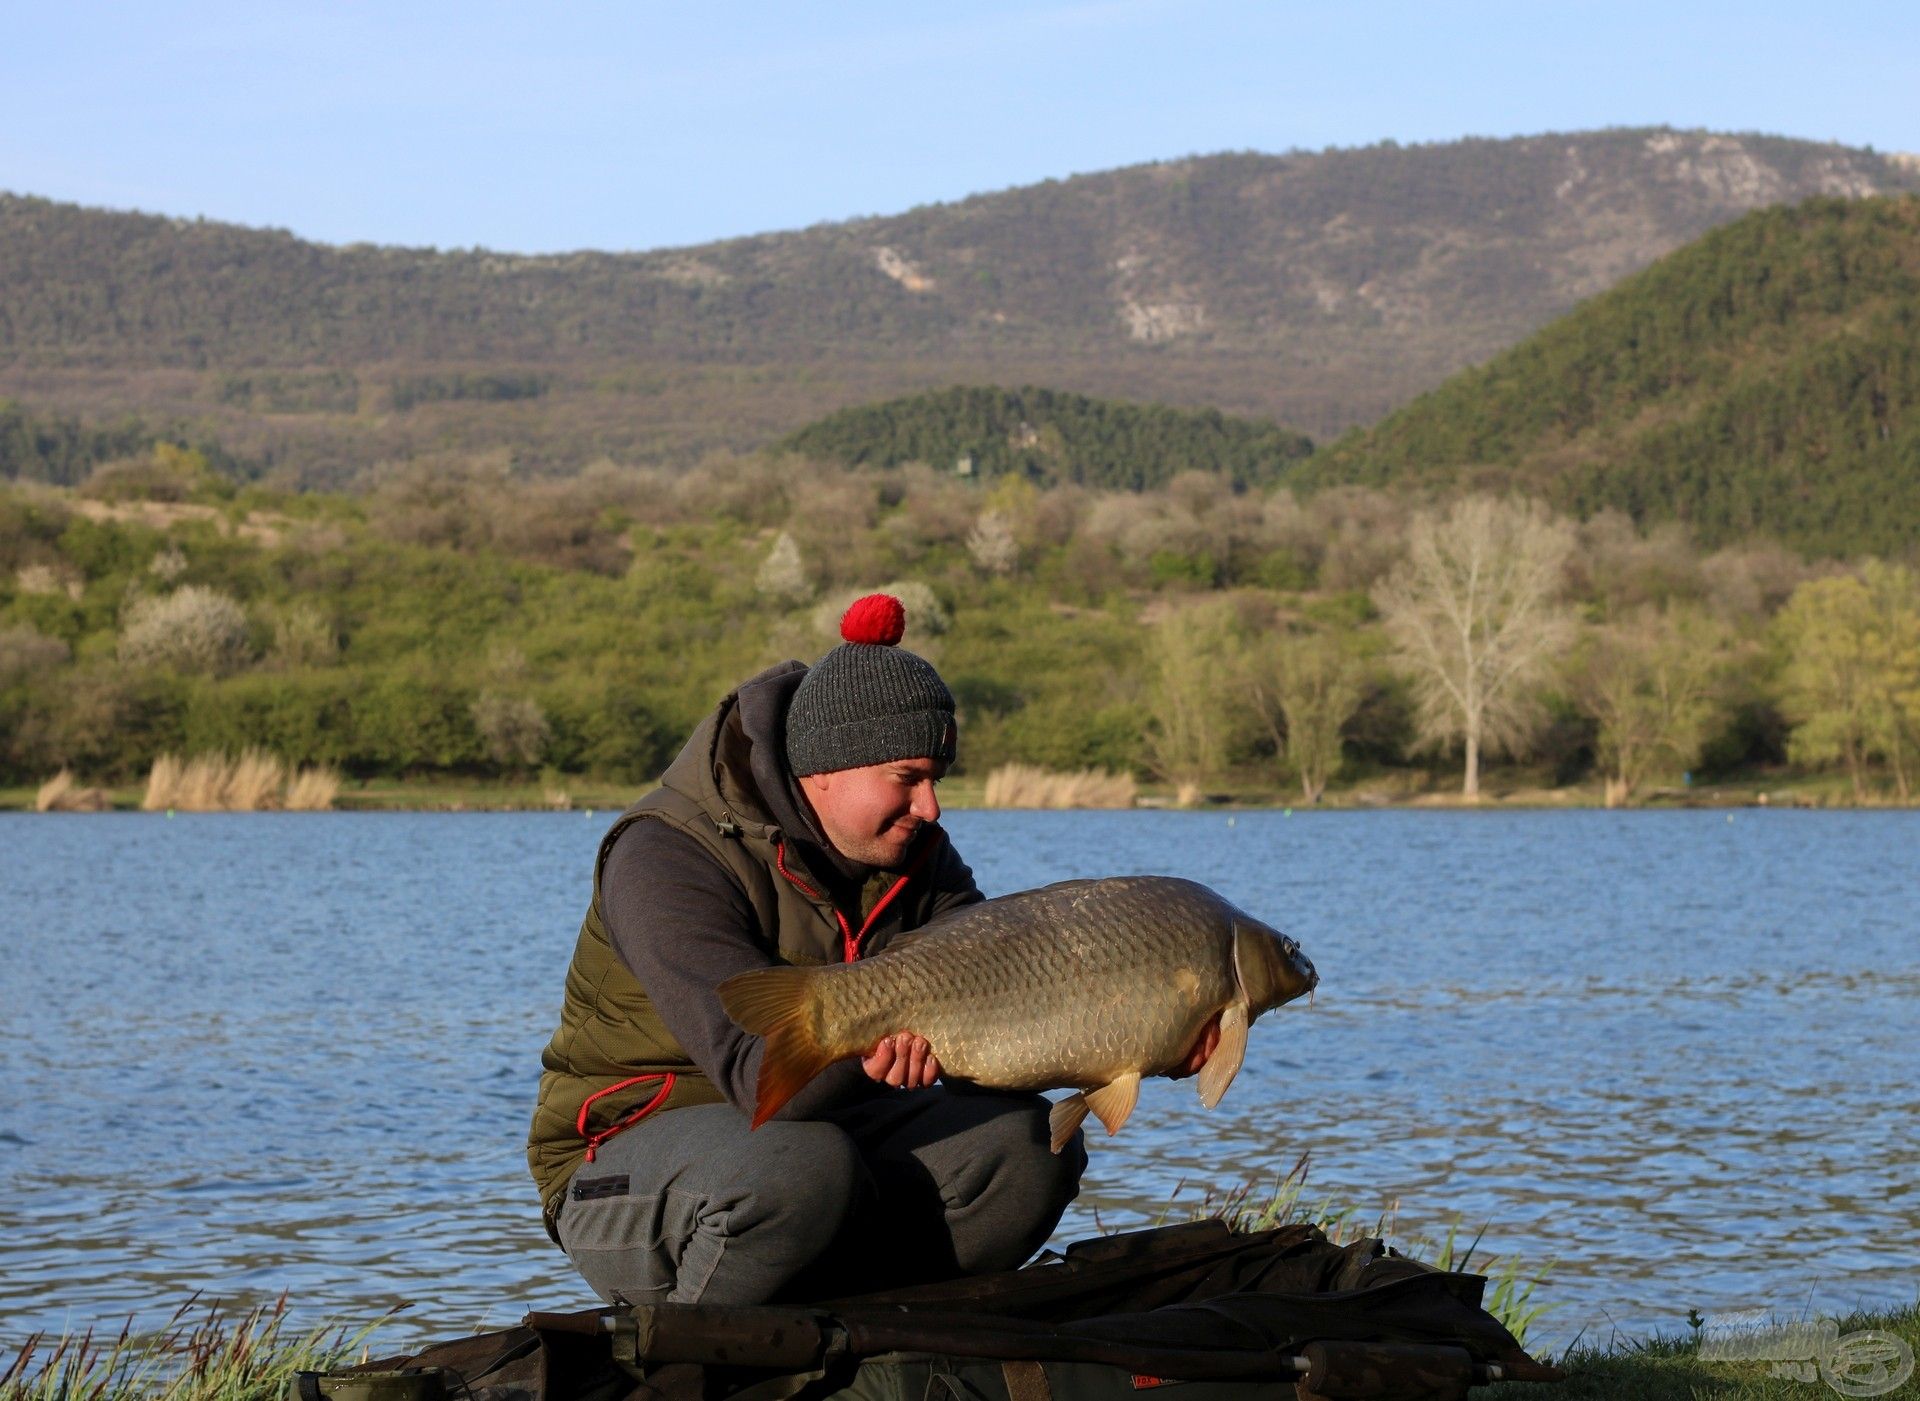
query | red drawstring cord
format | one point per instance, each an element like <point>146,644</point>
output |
<point>850,941</point>
<point>595,1140</point>
<point>849,946</point>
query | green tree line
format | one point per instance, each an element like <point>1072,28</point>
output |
<point>1052,437</point>
<point>1764,378</point>
<point>464,623</point>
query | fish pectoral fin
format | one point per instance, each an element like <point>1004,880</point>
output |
<point>1113,1102</point>
<point>1225,1061</point>
<point>1065,1119</point>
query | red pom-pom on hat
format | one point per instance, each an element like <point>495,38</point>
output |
<point>879,619</point>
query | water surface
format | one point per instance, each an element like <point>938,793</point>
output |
<point>1672,1052</point>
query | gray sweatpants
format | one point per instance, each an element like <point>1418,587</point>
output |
<point>911,1185</point>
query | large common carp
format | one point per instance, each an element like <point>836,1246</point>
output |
<point>1088,984</point>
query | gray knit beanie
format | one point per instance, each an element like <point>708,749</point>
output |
<point>869,701</point>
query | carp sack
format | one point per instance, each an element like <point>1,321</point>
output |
<point>1088,984</point>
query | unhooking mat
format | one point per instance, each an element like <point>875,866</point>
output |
<point>1213,1314</point>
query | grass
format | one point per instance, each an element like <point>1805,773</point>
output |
<point>204,1355</point>
<point>1670,1368</point>
<point>201,1354</point>
<point>1246,1208</point>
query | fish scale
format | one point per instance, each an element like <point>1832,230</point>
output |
<point>1086,984</point>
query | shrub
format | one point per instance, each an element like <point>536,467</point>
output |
<point>26,653</point>
<point>783,574</point>
<point>103,722</point>
<point>304,716</point>
<point>513,730</point>
<point>303,636</point>
<point>613,731</point>
<point>413,721</point>
<point>992,544</point>
<point>193,629</point>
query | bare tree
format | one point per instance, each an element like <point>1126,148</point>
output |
<point>1187,651</point>
<point>1305,690</point>
<point>1651,685</point>
<point>1473,616</point>
<point>25,653</point>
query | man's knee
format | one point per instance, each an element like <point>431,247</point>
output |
<point>729,1225</point>
<point>1017,1144</point>
<point>796,1177</point>
<point>1010,1188</point>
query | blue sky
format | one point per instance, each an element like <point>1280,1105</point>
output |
<point>544,127</point>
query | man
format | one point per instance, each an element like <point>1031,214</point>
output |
<point>798,825</point>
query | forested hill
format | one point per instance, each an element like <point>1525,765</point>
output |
<point>1051,437</point>
<point>1317,289</point>
<point>1765,379</point>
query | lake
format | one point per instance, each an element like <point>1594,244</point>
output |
<point>1671,1052</point>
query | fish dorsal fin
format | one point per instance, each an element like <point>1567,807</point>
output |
<point>1113,1102</point>
<point>1065,1119</point>
<point>1225,1061</point>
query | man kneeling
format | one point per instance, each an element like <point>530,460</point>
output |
<point>798,825</point>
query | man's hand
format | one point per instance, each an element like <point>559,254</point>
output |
<point>906,1061</point>
<point>1208,1043</point>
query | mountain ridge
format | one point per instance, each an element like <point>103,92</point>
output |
<point>1318,289</point>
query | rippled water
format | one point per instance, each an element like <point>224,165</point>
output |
<point>1673,1052</point>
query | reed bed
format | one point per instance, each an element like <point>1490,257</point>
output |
<point>1028,786</point>
<point>313,789</point>
<point>201,1354</point>
<point>254,781</point>
<point>61,794</point>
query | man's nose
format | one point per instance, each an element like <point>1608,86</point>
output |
<point>926,803</point>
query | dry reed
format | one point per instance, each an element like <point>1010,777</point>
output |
<point>52,791</point>
<point>163,781</point>
<point>1027,786</point>
<point>254,782</point>
<point>202,784</point>
<point>313,790</point>
<point>58,794</point>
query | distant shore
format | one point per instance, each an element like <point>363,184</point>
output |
<point>1399,791</point>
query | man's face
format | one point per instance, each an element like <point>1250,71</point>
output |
<point>872,814</point>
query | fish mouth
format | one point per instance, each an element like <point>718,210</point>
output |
<point>1302,965</point>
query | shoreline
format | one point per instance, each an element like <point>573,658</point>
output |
<point>1826,792</point>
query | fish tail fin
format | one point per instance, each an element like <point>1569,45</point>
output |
<point>777,1004</point>
<point>1064,1119</point>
